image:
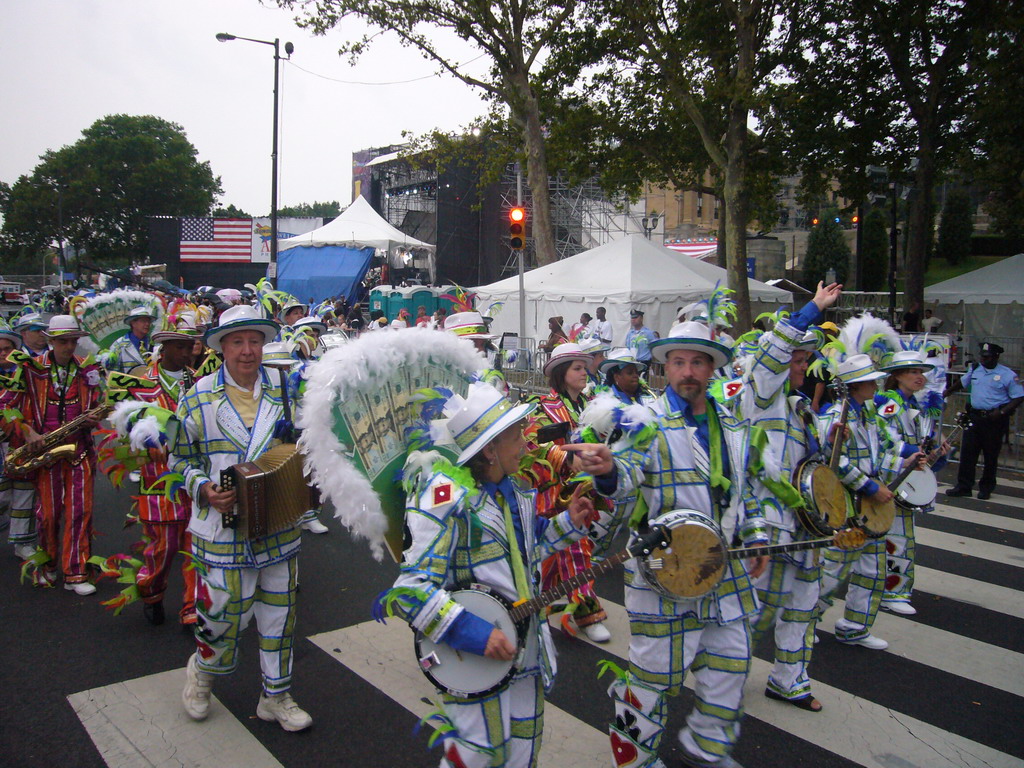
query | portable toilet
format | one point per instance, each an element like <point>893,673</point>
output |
<point>379,299</point>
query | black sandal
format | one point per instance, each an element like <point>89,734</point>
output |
<point>804,702</point>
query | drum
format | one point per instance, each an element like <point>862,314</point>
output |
<point>826,502</point>
<point>693,564</point>
<point>874,517</point>
<point>918,489</point>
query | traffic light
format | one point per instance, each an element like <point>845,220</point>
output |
<point>517,228</point>
<point>855,219</point>
<point>814,221</point>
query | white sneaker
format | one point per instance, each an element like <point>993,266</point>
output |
<point>867,641</point>
<point>81,588</point>
<point>134,476</point>
<point>282,708</point>
<point>24,551</point>
<point>597,633</point>
<point>198,685</point>
<point>903,609</point>
<point>314,526</point>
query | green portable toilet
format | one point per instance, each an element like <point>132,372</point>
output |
<point>379,299</point>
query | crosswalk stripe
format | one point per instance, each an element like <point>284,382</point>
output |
<point>958,655</point>
<point>973,516</point>
<point>382,654</point>
<point>971,591</point>
<point>141,722</point>
<point>962,545</point>
<point>849,726</point>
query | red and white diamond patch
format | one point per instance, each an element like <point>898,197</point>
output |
<point>442,494</point>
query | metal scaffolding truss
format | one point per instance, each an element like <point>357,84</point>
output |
<point>582,216</point>
<point>409,196</point>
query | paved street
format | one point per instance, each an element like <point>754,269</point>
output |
<point>84,688</point>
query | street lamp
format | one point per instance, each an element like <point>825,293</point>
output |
<point>288,49</point>
<point>649,223</point>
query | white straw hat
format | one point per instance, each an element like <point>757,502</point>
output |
<point>565,353</point>
<point>476,419</point>
<point>240,318</point>
<point>693,336</point>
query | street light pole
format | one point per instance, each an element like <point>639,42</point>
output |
<point>288,49</point>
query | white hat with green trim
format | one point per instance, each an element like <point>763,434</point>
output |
<point>241,317</point>
<point>905,360</point>
<point>619,358</point>
<point>857,368</point>
<point>693,336</point>
<point>476,419</point>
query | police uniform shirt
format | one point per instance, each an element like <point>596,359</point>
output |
<point>991,388</point>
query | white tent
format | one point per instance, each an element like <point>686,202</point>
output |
<point>627,273</point>
<point>989,302</point>
<point>359,226</point>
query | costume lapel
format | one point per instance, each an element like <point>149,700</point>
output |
<point>270,411</point>
<point>228,420</point>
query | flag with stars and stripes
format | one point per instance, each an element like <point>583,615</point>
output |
<point>216,240</point>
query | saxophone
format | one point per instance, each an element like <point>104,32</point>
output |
<point>54,445</point>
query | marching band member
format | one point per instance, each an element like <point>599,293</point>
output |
<point>566,370</point>
<point>785,433</point>
<point>470,325</point>
<point>867,460</point>
<point>165,520</point>
<point>17,494</point>
<point>135,347</point>
<point>696,460</point>
<point>623,377</point>
<point>292,311</point>
<point>476,520</point>
<point>59,387</point>
<point>597,350</point>
<point>229,417</point>
<point>31,326</point>
<point>910,421</point>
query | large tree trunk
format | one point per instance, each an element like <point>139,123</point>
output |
<point>735,196</point>
<point>920,222</point>
<point>536,172</point>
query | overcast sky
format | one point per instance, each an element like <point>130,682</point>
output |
<point>67,63</point>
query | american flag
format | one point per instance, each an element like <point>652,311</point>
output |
<point>216,240</point>
<point>696,250</point>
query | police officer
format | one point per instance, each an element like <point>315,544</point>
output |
<point>995,394</point>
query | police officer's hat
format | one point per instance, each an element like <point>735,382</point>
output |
<point>989,348</point>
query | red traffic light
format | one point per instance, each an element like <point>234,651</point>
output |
<point>856,219</point>
<point>516,215</point>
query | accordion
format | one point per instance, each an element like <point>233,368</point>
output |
<point>271,492</point>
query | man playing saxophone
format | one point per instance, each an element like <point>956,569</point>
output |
<point>58,388</point>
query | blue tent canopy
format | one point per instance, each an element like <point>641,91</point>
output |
<point>315,273</point>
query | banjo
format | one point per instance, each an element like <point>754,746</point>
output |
<point>696,559</point>
<point>919,487</point>
<point>826,502</point>
<point>469,675</point>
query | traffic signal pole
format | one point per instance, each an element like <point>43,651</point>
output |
<point>522,264</point>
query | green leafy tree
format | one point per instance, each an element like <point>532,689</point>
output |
<point>97,193</point>
<point>705,68</point>
<point>230,212</point>
<point>326,209</point>
<point>826,249</point>
<point>874,252</point>
<point>514,38</point>
<point>893,82</point>
<point>956,227</point>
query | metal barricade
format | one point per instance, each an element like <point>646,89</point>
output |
<point>1011,457</point>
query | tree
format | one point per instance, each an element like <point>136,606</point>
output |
<point>231,212</point>
<point>325,210</point>
<point>826,249</point>
<point>897,79</point>
<point>97,193</point>
<point>874,253</point>
<point>956,227</point>
<point>711,63</point>
<point>514,37</point>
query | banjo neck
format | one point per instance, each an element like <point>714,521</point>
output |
<point>525,609</point>
<point>740,553</point>
<point>657,536</point>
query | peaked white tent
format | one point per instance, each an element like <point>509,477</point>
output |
<point>988,301</point>
<point>358,226</point>
<point>629,273</point>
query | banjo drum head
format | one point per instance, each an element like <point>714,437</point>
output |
<point>694,563</point>
<point>830,496</point>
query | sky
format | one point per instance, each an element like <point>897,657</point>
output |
<point>67,63</point>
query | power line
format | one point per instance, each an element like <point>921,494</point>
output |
<point>393,82</point>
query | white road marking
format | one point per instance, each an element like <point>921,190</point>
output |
<point>140,723</point>
<point>972,516</point>
<point>382,654</point>
<point>963,545</point>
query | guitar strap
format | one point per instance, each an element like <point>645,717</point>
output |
<point>515,554</point>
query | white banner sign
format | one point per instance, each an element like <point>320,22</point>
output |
<point>286,227</point>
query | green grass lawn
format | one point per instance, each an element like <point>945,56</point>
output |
<point>940,269</point>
